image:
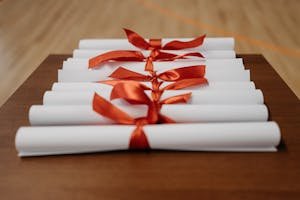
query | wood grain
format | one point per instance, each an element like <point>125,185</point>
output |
<point>154,174</point>
<point>31,30</point>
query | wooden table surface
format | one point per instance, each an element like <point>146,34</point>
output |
<point>155,174</point>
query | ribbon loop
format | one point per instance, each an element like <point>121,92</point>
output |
<point>119,55</point>
<point>132,93</point>
<point>180,73</point>
<point>138,41</point>
<point>125,74</point>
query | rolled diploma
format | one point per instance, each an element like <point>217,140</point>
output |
<point>219,43</point>
<point>211,54</point>
<point>103,74</point>
<point>240,137</point>
<point>85,115</point>
<point>99,87</point>
<point>197,97</point>
<point>82,64</point>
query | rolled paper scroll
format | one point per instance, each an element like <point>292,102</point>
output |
<point>82,64</point>
<point>219,43</point>
<point>213,54</point>
<point>99,87</point>
<point>103,74</point>
<point>198,97</point>
<point>85,115</point>
<point>240,137</point>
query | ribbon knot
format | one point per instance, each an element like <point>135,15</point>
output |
<point>138,139</point>
<point>154,44</point>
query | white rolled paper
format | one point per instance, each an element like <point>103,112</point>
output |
<point>99,87</point>
<point>85,115</point>
<point>212,75</point>
<point>241,137</point>
<point>82,64</point>
<point>212,54</point>
<point>219,43</point>
<point>198,97</point>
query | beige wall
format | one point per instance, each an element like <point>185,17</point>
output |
<point>30,30</point>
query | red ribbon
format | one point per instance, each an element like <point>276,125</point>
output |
<point>141,43</point>
<point>138,139</point>
<point>182,77</point>
<point>176,74</point>
<point>134,93</point>
<point>126,55</point>
<point>154,45</point>
<point>127,87</point>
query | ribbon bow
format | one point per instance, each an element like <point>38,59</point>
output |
<point>138,139</point>
<point>127,55</point>
<point>134,93</point>
<point>141,43</point>
<point>182,77</point>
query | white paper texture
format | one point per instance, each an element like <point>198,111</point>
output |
<point>99,87</point>
<point>103,74</point>
<point>234,97</point>
<point>85,115</point>
<point>219,43</point>
<point>258,136</point>
<point>82,64</point>
<point>211,54</point>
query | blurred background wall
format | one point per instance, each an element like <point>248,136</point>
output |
<point>32,29</point>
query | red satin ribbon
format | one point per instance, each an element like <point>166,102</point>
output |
<point>120,55</point>
<point>176,74</point>
<point>154,45</point>
<point>134,93</point>
<point>126,55</point>
<point>138,139</point>
<point>127,87</point>
<point>141,43</point>
<point>182,77</point>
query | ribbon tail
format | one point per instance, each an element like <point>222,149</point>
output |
<point>136,40</point>
<point>125,74</point>
<point>107,109</point>
<point>182,98</point>
<point>178,45</point>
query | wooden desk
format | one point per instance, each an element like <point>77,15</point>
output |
<point>156,174</point>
